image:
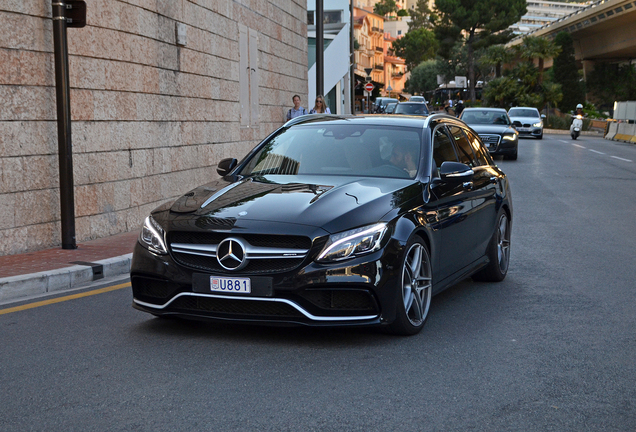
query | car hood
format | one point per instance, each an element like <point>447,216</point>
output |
<point>492,129</point>
<point>526,120</point>
<point>331,203</point>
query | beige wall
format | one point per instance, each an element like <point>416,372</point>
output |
<point>150,119</point>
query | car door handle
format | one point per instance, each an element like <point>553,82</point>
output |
<point>493,179</point>
<point>468,185</point>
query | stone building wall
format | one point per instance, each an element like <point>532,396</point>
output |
<point>150,118</point>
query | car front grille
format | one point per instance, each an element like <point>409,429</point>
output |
<point>491,141</point>
<point>153,290</point>
<point>251,308</point>
<point>210,264</point>
<point>264,253</point>
<point>341,300</point>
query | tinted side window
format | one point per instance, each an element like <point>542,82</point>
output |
<point>482,155</point>
<point>442,148</point>
<point>465,151</point>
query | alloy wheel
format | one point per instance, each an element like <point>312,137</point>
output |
<point>417,284</point>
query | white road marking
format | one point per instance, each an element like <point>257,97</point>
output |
<point>597,152</point>
<point>579,146</point>
<point>620,158</point>
<point>563,141</point>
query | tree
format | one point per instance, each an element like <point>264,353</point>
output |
<point>421,16</point>
<point>385,7</point>
<point>415,47</point>
<point>566,73</point>
<point>496,56</point>
<point>610,82</point>
<point>483,22</point>
<point>533,47</point>
<point>423,78</point>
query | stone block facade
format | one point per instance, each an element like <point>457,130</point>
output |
<point>150,118</point>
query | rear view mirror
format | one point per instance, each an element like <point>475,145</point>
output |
<point>225,166</point>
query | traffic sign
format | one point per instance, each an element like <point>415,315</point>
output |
<point>369,87</point>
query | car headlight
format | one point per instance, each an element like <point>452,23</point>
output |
<point>352,243</point>
<point>152,236</point>
<point>538,124</point>
<point>510,137</point>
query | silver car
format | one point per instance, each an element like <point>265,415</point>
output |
<point>527,121</point>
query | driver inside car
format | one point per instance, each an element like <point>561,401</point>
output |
<point>402,158</point>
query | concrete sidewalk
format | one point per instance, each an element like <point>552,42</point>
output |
<point>56,269</point>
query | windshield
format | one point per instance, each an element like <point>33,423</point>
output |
<point>411,108</point>
<point>356,150</point>
<point>477,117</point>
<point>523,112</point>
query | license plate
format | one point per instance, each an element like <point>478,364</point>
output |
<point>230,285</point>
<point>521,129</point>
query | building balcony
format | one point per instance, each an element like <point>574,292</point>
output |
<point>379,67</point>
<point>379,49</point>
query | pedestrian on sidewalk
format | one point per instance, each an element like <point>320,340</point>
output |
<point>297,110</point>
<point>320,107</point>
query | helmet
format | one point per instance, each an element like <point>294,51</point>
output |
<point>461,101</point>
<point>579,106</point>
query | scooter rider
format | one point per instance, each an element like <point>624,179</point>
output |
<point>579,110</point>
<point>577,122</point>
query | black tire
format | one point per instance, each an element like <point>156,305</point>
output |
<point>540,137</point>
<point>512,156</point>
<point>498,252</point>
<point>415,289</point>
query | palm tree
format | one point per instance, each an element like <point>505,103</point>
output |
<point>496,55</point>
<point>534,47</point>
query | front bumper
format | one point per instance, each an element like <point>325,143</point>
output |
<point>361,291</point>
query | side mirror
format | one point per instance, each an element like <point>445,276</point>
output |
<point>225,166</point>
<point>455,172</point>
<point>543,117</point>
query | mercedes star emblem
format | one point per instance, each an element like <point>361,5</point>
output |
<point>231,254</point>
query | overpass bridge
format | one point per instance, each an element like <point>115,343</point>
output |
<point>603,31</point>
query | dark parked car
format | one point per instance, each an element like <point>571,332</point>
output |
<point>495,129</point>
<point>381,103</point>
<point>411,108</point>
<point>527,121</point>
<point>331,220</point>
<point>390,108</point>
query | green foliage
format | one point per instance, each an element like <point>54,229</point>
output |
<point>423,78</point>
<point>566,73</point>
<point>564,122</point>
<point>612,82</point>
<point>533,47</point>
<point>495,56</point>
<point>520,87</point>
<point>480,22</point>
<point>421,16</point>
<point>416,46</point>
<point>403,12</point>
<point>385,7</point>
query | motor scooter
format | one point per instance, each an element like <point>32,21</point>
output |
<point>576,126</point>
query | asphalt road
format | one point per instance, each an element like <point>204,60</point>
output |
<point>552,348</point>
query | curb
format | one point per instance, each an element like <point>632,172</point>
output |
<point>51,281</point>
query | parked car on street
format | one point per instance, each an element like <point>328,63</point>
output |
<point>381,103</point>
<point>412,108</point>
<point>417,99</point>
<point>495,129</point>
<point>527,120</point>
<point>331,221</point>
<point>390,108</point>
